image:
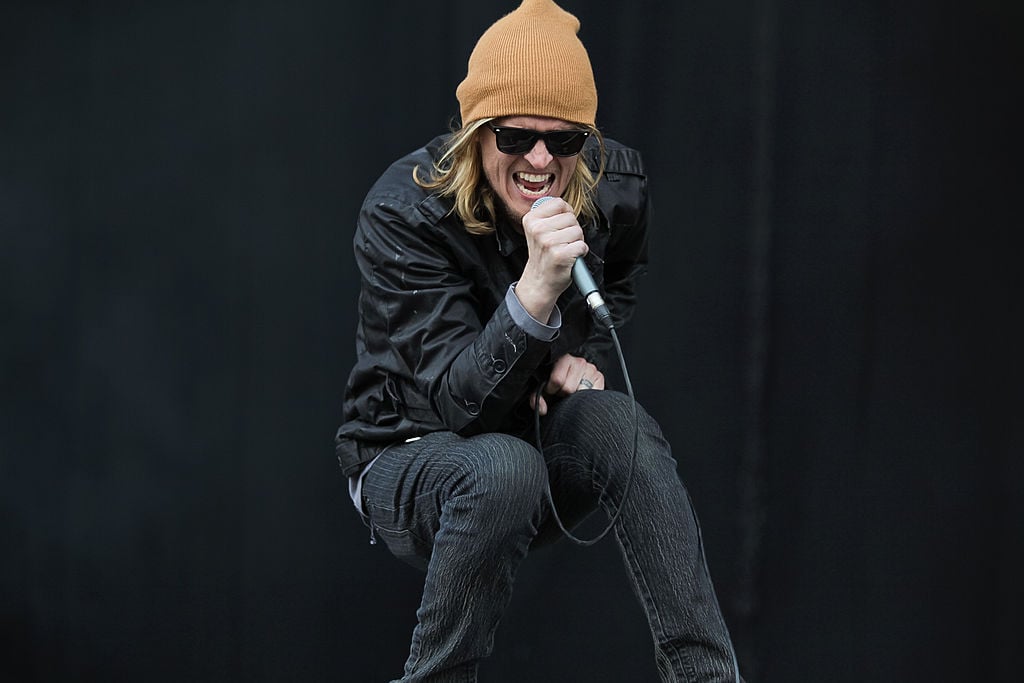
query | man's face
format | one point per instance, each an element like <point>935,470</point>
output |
<point>519,180</point>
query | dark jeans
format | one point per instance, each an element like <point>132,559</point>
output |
<point>467,510</point>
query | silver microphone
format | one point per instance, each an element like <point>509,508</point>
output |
<point>585,283</point>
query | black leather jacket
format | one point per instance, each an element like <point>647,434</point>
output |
<point>437,348</point>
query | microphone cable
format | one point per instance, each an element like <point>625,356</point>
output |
<point>632,460</point>
<point>626,489</point>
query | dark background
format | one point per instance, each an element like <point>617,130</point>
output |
<point>829,334</point>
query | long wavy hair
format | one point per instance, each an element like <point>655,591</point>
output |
<point>459,174</point>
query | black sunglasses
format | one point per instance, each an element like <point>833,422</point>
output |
<point>561,143</point>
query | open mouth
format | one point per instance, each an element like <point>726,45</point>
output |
<point>533,185</point>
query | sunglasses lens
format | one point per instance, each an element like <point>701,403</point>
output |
<point>515,140</point>
<point>565,143</point>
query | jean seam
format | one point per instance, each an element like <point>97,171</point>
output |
<point>644,588</point>
<point>680,661</point>
<point>641,581</point>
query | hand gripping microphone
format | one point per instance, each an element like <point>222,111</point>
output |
<point>585,283</point>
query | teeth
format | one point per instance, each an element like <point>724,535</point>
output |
<point>546,178</point>
<point>533,193</point>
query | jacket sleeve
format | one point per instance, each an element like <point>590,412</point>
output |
<point>446,367</point>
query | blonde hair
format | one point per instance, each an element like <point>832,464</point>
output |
<point>458,174</point>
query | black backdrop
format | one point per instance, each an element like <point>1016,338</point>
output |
<point>830,334</point>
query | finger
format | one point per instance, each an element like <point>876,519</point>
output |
<point>551,206</point>
<point>568,372</point>
<point>535,223</point>
<point>559,380</point>
<point>556,381</point>
<point>585,375</point>
<point>555,232</point>
<point>534,398</point>
<point>592,380</point>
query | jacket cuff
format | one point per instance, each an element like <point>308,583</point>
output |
<point>533,327</point>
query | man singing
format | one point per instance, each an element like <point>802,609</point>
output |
<point>465,311</point>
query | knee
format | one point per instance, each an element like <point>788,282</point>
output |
<point>505,477</point>
<point>606,423</point>
<point>609,416</point>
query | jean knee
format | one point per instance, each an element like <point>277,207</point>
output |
<point>506,476</point>
<point>603,411</point>
<point>607,424</point>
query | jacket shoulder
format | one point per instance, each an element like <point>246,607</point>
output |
<point>620,159</point>
<point>621,194</point>
<point>397,187</point>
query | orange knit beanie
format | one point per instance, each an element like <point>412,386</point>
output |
<point>530,63</point>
